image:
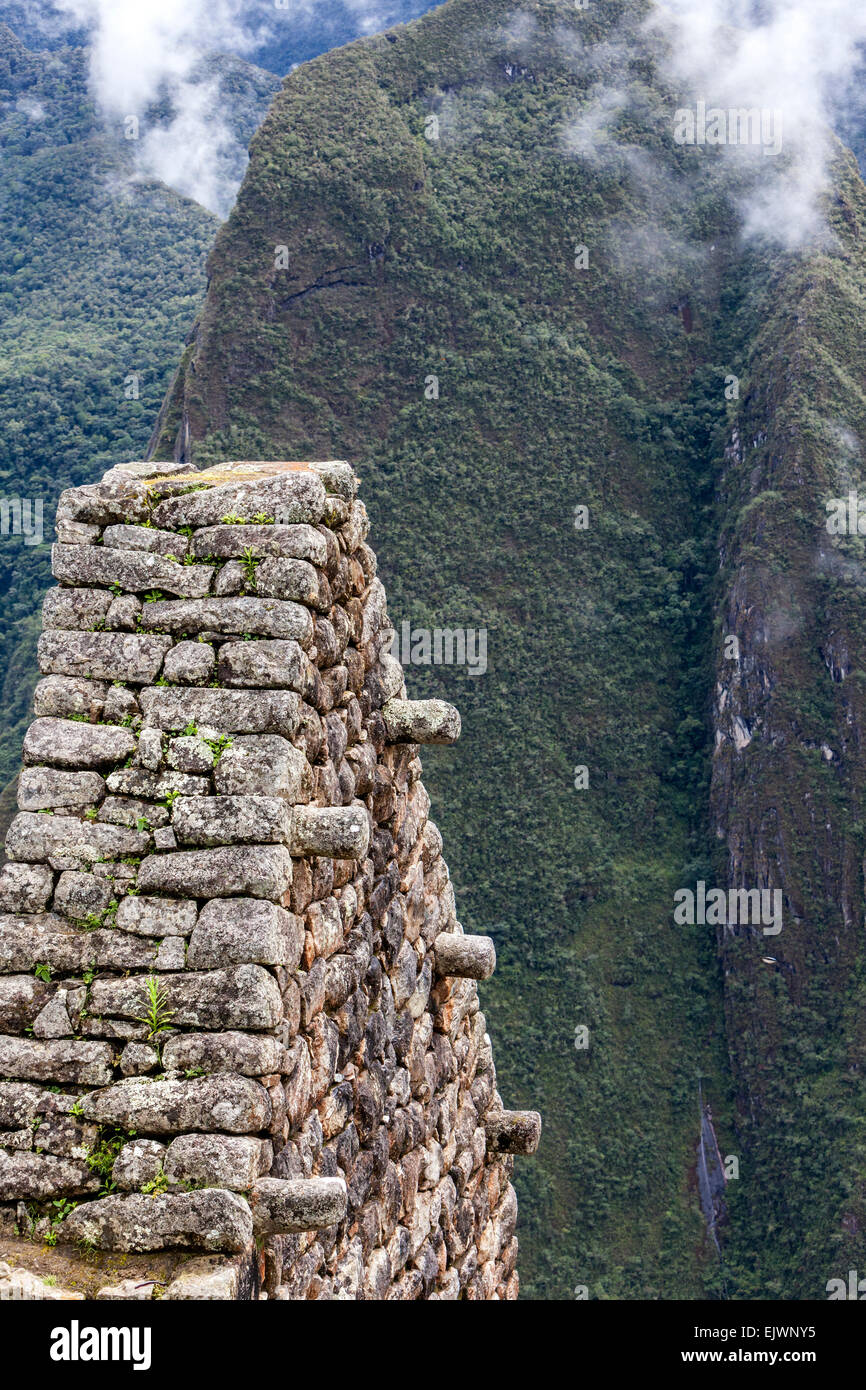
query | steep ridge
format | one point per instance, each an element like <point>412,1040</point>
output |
<point>789,774</point>
<point>505,313</point>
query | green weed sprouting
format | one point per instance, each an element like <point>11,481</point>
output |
<point>158,1016</point>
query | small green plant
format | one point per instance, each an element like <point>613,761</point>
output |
<point>171,797</point>
<point>250,564</point>
<point>62,1208</point>
<point>232,519</point>
<point>153,597</point>
<point>142,823</point>
<point>191,729</point>
<point>91,813</point>
<point>100,1159</point>
<point>158,1016</point>
<point>157,1187</point>
<point>43,972</point>
<point>218,746</point>
<point>263,519</point>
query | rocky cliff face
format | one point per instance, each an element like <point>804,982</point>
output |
<point>239,1014</point>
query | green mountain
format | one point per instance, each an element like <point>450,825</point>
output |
<point>101,275</point>
<point>433,272</point>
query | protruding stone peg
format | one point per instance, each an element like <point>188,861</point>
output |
<point>468,957</point>
<point>421,721</point>
<point>513,1131</point>
<point>335,832</point>
<point>282,1206</point>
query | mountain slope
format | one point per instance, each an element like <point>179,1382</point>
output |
<point>100,279</point>
<point>418,250</point>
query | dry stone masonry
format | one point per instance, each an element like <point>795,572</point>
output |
<point>239,1017</point>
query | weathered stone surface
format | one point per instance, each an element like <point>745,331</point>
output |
<point>83,1063</point>
<point>245,996</point>
<point>421,721</point>
<point>260,871</point>
<point>155,786</point>
<point>75,532</point>
<point>305,1204</point>
<point>32,837</point>
<point>190,754</point>
<point>25,887</point>
<point>261,617</point>
<point>230,711</point>
<point>293,542</point>
<point>19,1104</point>
<point>133,812</point>
<point>75,608</point>
<point>98,504</point>
<point>156,916</point>
<point>231,579</point>
<point>81,895</point>
<point>207,1279</point>
<point>250,1054</point>
<point>127,1291</point>
<point>294,579</point>
<point>125,656</point>
<point>262,664</point>
<point>215,1160</point>
<point>340,832</point>
<point>190,663</point>
<point>234,1104</point>
<point>135,570</point>
<point>227,820</point>
<point>245,930</point>
<point>47,939</point>
<point>289,497</point>
<point>471,957</point>
<point>67,697</point>
<point>121,706</point>
<point>138,1162</point>
<point>212,1219</point>
<point>513,1131</point>
<point>138,1058</point>
<point>53,1021</point>
<point>264,766</point>
<point>19,1285</point>
<point>46,788</point>
<point>38,1176</point>
<point>124,613</point>
<point>167,543</point>
<point>21,999</point>
<point>338,476</point>
<point>65,743</point>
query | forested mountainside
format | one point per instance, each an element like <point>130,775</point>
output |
<point>100,278</point>
<point>445,266</point>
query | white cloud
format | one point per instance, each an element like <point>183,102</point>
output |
<point>795,57</point>
<point>146,50</point>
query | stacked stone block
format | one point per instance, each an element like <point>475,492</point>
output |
<point>238,1013</point>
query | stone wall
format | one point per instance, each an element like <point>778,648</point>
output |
<point>238,1014</point>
